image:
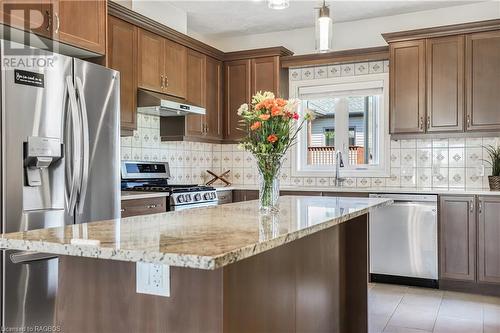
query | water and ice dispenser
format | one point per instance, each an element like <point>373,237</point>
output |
<point>39,154</point>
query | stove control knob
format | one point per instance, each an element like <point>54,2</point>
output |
<point>197,197</point>
<point>206,196</point>
<point>188,197</point>
<point>212,195</point>
<point>180,199</point>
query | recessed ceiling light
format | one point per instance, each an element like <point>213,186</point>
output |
<point>278,4</point>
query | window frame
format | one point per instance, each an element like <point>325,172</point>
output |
<point>300,168</point>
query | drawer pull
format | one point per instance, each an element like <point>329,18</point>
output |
<point>152,206</point>
<point>122,210</point>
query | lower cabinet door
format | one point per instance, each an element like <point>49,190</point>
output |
<point>457,246</point>
<point>489,239</point>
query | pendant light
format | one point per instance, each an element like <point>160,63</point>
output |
<point>324,29</point>
<point>278,4</point>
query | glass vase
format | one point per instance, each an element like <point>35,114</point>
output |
<point>269,190</point>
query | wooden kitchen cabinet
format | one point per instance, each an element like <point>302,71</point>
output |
<point>245,195</point>
<point>265,74</point>
<point>237,76</point>
<point>162,64</point>
<point>483,81</point>
<point>445,84</point>
<point>196,85</point>
<point>134,207</point>
<point>122,56</point>
<point>457,245</point>
<point>34,15</point>
<point>175,68</point>
<point>82,23</point>
<point>150,61</point>
<point>213,99</point>
<point>79,23</point>
<point>407,87</point>
<point>488,239</point>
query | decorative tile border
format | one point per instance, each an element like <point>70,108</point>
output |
<point>351,69</point>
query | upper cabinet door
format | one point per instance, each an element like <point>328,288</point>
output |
<point>483,81</point>
<point>195,91</point>
<point>489,240</point>
<point>175,56</point>
<point>407,87</point>
<point>213,116</point>
<point>445,84</point>
<point>122,56</point>
<point>265,75</point>
<point>35,16</point>
<point>82,23</point>
<point>238,91</point>
<point>150,61</point>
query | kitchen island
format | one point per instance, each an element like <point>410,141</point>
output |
<point>304,269</point>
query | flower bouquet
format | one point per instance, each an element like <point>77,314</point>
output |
<point>272,125</point>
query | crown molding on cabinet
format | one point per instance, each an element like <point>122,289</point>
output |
<point>336,57</point>
<point>258,53</point>
<point>445,30</point>
<point>146,23</point>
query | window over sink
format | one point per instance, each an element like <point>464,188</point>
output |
<point>350,115</point>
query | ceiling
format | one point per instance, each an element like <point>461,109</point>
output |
<point>232,18</point>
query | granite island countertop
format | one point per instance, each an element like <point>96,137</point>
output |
<point>202,238</point>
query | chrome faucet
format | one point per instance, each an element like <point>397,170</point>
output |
<point>339,163</point>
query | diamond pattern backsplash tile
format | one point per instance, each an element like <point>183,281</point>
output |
<point>423,163</point>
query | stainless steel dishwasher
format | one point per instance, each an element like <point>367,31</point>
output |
<point>403,241</point>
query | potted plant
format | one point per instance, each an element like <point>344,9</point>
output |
<point>494,161</point>
<point>272,125</point>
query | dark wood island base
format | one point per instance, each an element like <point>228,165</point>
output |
<point>314,284</point>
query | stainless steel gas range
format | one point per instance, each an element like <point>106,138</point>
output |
<point>154,176</point>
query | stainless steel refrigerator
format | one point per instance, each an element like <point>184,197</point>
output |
<point>60,165</point>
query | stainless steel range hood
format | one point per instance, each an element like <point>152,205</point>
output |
<point>156,104</point>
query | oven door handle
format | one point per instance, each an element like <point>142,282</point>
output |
<point>27,257</point>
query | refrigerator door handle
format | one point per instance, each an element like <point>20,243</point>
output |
<point>85,139</point>
<point>27,257</point>
<point>76,155</point>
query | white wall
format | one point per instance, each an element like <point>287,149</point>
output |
<point>362,33</point>
<point>162,12</point>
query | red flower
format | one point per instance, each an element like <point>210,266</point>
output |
<point>255,126</point>
<point>295,116</point>
<point>272,138</point>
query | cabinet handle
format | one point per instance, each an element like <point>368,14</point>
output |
<point>162,80</point>
<point>166,79</point>
<point>422,123</point>
<point>58,22</point>
<point>480,206</point>
<point>468,120</point>
<point>428,122</point>
<point>122,210</point>
<point>49,20</point>
<point>471,206</point>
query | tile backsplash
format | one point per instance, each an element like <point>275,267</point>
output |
<point>455,163</point>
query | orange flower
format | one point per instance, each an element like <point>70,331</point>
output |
<point>259,106</point>
<point>264,117</point>
<point>255,125</point>
<point>276,111</point>
<point>281,102</point>
<point>272,138</point>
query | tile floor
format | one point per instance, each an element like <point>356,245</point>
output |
<point>400,309</point>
